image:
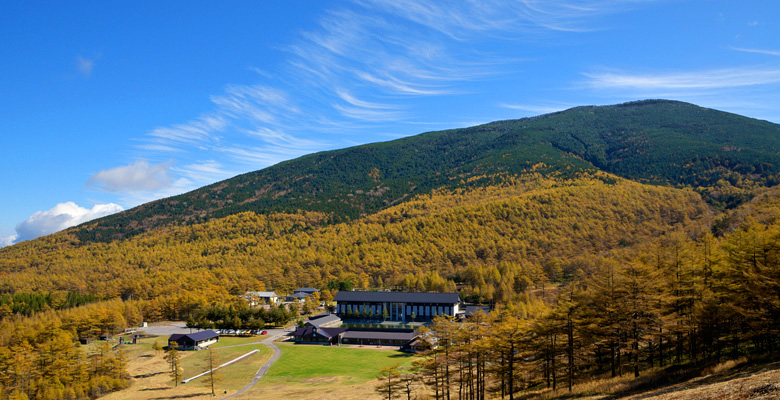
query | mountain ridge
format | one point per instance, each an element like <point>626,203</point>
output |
<point>662,142</point>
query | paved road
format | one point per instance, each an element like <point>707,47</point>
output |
<point>167,328</point>
<point>269,341</point>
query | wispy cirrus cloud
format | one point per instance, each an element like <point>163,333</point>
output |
<point>361,67</point>
<point>204,172</point>
<point>749,90</point>
<point>501,17</point>
<point>703,79</point>
<point>757,51</point>
<point>196,131</point>
<point>538,109</point>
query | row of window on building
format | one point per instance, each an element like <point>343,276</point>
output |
<point>394,310</point>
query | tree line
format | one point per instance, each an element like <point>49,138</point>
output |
<point>683,303</point>
<point>240,316</point>
<point>41,358</point>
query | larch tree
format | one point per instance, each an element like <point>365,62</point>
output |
<point>174,362</point>
<point>213,377</point>
<point>390,382</point>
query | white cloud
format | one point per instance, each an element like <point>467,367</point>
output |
<point>536,109</point>
<point>707,79</point>
<point>136,177</point>
<point>201,129</point>
<point>757,51</point>
<point>203,173</point>
<point>61,216</point>
<point>8,240</point>
<point>361,67</point>
<point>747,91</point>
<point>85,66</point>
<point>467,18</point>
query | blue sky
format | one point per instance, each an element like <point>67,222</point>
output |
<point>109,105</point>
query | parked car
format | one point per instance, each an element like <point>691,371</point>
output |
<point>264,332</point>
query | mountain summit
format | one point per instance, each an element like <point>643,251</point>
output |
<point>653,141</point>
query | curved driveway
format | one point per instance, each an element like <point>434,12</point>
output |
<point>269,341</point>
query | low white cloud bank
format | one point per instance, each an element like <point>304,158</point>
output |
<point>132,178</point>
<point>8,240</point>
<point>61,216</point>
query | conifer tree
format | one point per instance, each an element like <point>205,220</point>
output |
<point>174,362</point>
<point>390,383</point>
<point>214,376</point>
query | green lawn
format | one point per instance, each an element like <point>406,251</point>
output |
<point>351,365</point>
<point>234,376</point>
<point>236,340</point>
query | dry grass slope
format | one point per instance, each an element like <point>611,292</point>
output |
<point>731,380</point>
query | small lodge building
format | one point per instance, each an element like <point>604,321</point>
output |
<point>300,295</point>
<point>296,298</point>
<point>194,341</point>
<point>354,336</point>
<point>324,321</point>
<point>417,345</point>
<point>307,291</point>
<point>379,337</point>
<point>258,298</point>
<point>395,306</point>
<point>314,335</point>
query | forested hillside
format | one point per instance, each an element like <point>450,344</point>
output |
<point>522,226</point>
<point>656,224</point>
<point>676,144</point>
<point>664,312</point>
<point>643,285</point>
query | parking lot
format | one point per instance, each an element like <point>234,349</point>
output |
<point>170,328</point>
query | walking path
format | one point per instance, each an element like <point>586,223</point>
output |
<point>223,365</point>
<point>264,368</point>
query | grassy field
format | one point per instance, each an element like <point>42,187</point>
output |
<point>302,371</point>
<point>326,372</point>
<point>151,379</point>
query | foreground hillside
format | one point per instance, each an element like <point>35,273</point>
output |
<point>757,383</point>
<point>722,155</point>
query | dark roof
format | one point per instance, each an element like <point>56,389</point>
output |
<point>328,319</point>
<point>376,335</point>
<point>306,290</point>
<point>330,332</point>
<point>397,297</point>
<point>418,341</point>
<point>299,295</point>
<point>195,337</point>
<point>324,332</point>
